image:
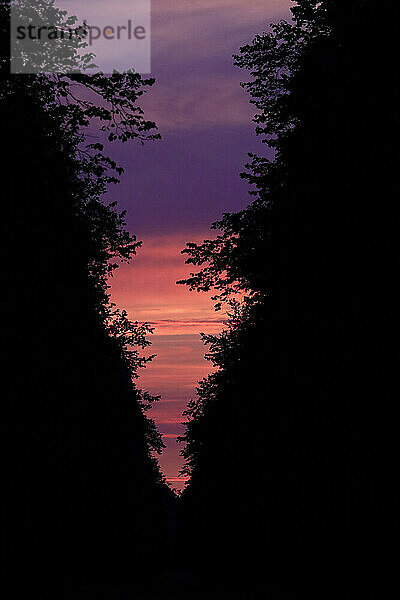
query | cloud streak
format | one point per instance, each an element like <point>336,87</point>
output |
<point>147,289</point>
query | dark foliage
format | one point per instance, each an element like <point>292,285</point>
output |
<point>82,497</point>
<point>291,445</point>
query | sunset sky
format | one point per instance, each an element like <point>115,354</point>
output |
<point>174,189</point>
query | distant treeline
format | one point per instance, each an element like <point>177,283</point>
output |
<point>292,443</point>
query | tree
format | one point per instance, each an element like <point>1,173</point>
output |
<point>306,378</point>
<point>83,497</point>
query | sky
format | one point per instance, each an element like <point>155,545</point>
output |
<point>175,188</point>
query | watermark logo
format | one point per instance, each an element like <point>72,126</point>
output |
<point>80,36</point>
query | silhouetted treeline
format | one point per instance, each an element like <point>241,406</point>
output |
<point>292,444</point>
<point>82,498</point>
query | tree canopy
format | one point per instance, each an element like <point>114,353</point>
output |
<point>287,441</point>
<point>84,494</point>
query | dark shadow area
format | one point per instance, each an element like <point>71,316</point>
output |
<point>291,444</point>
<point>83,502</point>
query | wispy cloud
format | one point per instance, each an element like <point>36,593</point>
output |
<point>169,420</point>
<point>192,47</point>
<point>177,479</point>
<point>147,290</point>
<point>200,102</point>
<point>203,25</point>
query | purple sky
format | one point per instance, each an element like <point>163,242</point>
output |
<point>175,188</point>
<point>191,177</point>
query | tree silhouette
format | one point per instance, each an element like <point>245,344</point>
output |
<point>289,444</point>
<point>63,51</point>
<point>83,499</point>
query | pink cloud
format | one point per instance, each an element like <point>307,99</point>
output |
<point>170,420</point>
<point>148,291</point>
